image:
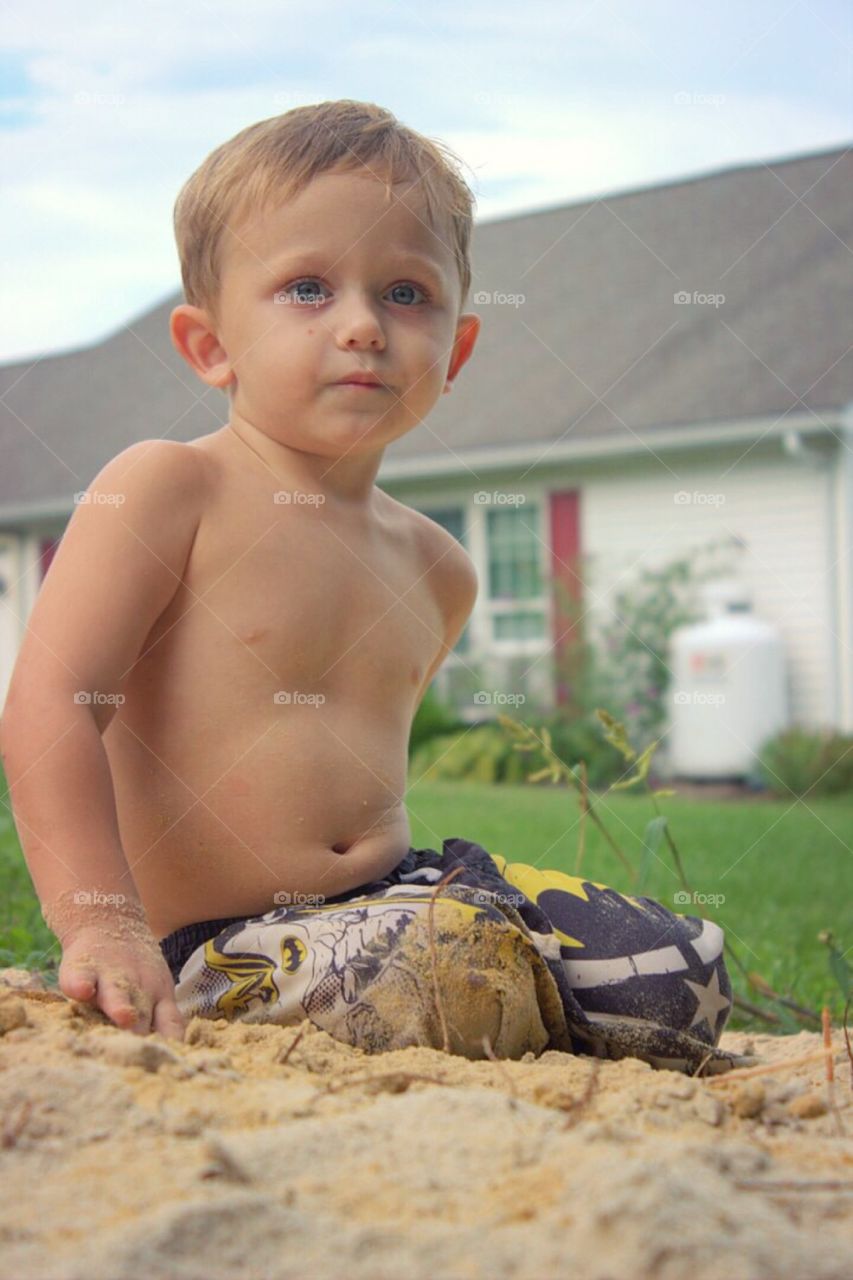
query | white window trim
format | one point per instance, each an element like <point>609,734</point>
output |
<point>482,642</point>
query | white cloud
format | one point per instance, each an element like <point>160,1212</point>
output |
<point>129,101</point>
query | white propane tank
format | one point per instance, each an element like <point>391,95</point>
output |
<point>728,692</point>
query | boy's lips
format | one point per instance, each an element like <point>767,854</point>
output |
<point>361,379</point>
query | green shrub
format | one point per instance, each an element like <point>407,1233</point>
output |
<point>480,754</point>
<point>432,717</point>
<point>807,762</point>
<point>623,664</point>
<point>576,738</point>
<point>485,753</point>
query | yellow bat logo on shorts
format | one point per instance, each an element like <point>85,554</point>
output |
<point>293,952</point>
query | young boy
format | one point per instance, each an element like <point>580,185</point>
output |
<point>206,730</point>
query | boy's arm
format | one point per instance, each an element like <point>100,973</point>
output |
<point>117,567</point>
<point>457,586</point>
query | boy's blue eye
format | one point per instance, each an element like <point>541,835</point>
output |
<point>308,292</point>
<point>416,288</point>
<point>312,294</point>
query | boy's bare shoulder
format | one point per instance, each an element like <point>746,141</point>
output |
<point>154,481</point>
<point>443,556</point>
<point>178,464</point>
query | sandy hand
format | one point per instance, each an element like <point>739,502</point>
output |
<point>131,984</point>
<point>115,963</point>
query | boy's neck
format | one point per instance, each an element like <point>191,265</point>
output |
<point>348,480</point>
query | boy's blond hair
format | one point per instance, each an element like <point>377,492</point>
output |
<point>277,158</point>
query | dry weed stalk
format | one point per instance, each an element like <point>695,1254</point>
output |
<point>830,1071</point>
<point>578,1107</point>
<point>490,1054</point>
<point>746,1073</point>
<point>433,954</point>
<point>282,1059</point>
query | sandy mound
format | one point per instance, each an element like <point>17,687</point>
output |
<point>273,1153</point>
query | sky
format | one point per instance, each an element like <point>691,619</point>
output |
<point>106,109</point>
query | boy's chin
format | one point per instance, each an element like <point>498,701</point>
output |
<point>360,436</point>
<point>332,435</point>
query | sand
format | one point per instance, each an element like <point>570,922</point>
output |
<point>276,1153</point>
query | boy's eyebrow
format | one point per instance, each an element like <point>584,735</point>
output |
<point>312,251</point>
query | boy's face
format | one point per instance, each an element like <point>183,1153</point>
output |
<point>335,282</point>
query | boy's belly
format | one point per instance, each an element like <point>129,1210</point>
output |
<point>216,823</point>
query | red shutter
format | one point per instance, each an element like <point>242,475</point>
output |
<point>564,512</point>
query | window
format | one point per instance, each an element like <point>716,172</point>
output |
<point>515,587</point>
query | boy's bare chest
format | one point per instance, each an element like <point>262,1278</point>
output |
<point>318,601</point>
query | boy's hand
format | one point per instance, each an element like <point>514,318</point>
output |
<point>127,978</point>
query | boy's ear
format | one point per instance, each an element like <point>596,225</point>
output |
<point>467,329</point>
<point>194,337</point>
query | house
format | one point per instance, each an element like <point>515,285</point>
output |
<point>657,368</point>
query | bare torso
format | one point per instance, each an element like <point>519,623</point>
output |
<point>227,794</point>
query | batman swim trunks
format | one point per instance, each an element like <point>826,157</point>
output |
<point>503,959</point>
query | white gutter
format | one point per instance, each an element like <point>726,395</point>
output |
<point>842,556</point>
<point>827,463</point>
<point>26,513</point>
<point>544,452</point>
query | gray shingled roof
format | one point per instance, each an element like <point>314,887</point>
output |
<point>598,319</point>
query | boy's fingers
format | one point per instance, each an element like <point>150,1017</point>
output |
<point>168,1019</point>
<point>117,1004</point>
<point>77,981</point>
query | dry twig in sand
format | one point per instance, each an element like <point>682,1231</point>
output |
<point>433,954</point>
<point>830,1070</point>
<point>770,1068</point>
<point>282,1059</point>
<point>490,1054</point>
<point>578,1107</point>
<point>700,1068</point>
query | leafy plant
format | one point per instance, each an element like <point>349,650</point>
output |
<point>624,661</point>
<point>432,718</point>
<point>804,763</point>
<point>479,753</point>
<point>576,738</point>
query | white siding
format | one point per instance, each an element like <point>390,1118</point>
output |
<point>782,510</point>
<point>19,583</point>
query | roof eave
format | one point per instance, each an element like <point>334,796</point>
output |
<point>544,452</point>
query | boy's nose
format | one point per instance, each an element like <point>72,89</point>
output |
<point>358,326</point>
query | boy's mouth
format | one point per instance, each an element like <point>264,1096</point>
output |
<point>361,379</point>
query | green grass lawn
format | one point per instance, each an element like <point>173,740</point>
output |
<point>785,868</point>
